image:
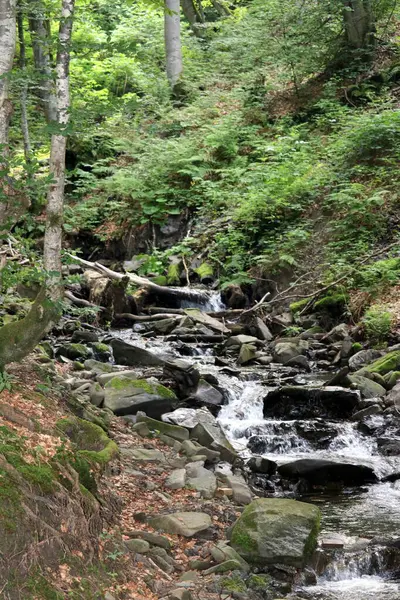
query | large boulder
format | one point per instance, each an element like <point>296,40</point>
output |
<point>298,402</point>
<point>284,351</point>
<point>212,436</point>
<point>323,472</point>
<point>385,364</point>
<point>276,530</point>
<point>363,357</point>
<point>130,355</point>
<point>207,395</point>
<point>190,417</point>
<point>367,387</point>
<point>126,396</point>
<point>183,373</point>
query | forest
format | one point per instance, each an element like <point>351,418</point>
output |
<point>199,310</point>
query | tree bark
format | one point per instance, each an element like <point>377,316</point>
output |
<point>41,56</point>
<point>359,24</point>
<point>24,87</point>
<point>55,197</point>
<point>172,37</point>
<point>7,51</point>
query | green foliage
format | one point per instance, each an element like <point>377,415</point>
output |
<point>6,381</point>
<point>377,323</point>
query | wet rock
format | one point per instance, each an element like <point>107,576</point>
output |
<point>190,417</point>
<point>128,396</point>
<point>284,351</point>
<point>276,531</point>
<point>373,409</point>
<point>165,326</point>
<point>363,357</point>
<point>132,356</point>
<point>309,401</point>
<point>259,464</point>
<point>207,395</point>
<point>212,436</point>
<point>183,373</point>
<point>367,387</point>
<point>187,524</point>
<point>299,361</point>
<point>324,472</point>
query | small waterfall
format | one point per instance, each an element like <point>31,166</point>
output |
<point>204,300</point>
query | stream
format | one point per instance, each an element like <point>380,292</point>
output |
<point>356,570</point>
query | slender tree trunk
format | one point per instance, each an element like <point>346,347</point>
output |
<point>359,23</point>
<point>40,37</point>
<point>7,51</point>
<point>172,35</point>
<point>24,88</point>
<point>190,11</point>
<point>55,198</point>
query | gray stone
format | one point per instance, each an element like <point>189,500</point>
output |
<point>207,395</point>
<point>84,335</point>
<point>275,530</point>
<point>144,455</point>
<point>153,538</point>
<point>130,355</point>
<point>247,353</point>
<point>393,397</point>
<point>240,340</point>
<point>284,351</point>
<point>127,396</point>
<point>374,409</point>
<point>200,317</point>
<point>180,594</point>
<point>299,361</point>
<point>263,331</point>
<point>362,358</point>
<point>176,480</point>
<point>138,546</point>
<point>99,367</point>
<point>96,394</point>
<point>212,436</point>
<point>173,431</point>
<point>182,523</point>
<point>165,326</point>
<point>222,552</point>
<point>367,387</point>
<point>103,378</point>
<point>241,491</point>
<point>190,448</point>
<point>224,567</point>
<point>201,480</point>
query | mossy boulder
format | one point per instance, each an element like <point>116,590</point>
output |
<point>276,530</point>
<point>91,441</point>
<point>385,364</point>
<point>173,274</point>
<point>101,351</point>
<point>205,272</point>
<point>391,379</point>
<point>367,387</point>
<point>126,396</point>
<point>299,305</point>
<point>333,304</point>
<point>74,351</point>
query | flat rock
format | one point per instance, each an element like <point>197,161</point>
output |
<point>310,401</point>
<point>124,396</point>
<point>322,472</point>
<point>189,417</point>
<point>176,480</point>
<point>182,523</point>
<point>132,356</point>
<point>144,455</point>
<point>196,315</point>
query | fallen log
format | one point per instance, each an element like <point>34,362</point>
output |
<point>193,338</point>
<point>80,301</point>
<point>155,310</point>
<point>146,318</point>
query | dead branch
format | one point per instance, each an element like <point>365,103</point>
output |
<point>147,318</point>
<point>81,301</point>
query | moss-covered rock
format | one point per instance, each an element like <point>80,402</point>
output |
<point>91,440</point>
<point>391,379</point>
<point>173,274</point>
<point>385,364</point>
<point>205,272</point>
<point>298,306</point>
<point>74,351</point>
<point>275,530</point>
<point>367,387</point>
<point>125,396</point>
<point>333,303</point>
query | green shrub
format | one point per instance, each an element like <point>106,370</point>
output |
<point>377,323</point>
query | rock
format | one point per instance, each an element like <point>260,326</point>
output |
<point>98,367</point>
<point>373,409</point>
<point>200,317</point>
<point>144,455</point>
<point>222,552</point>
<point>74,351</point>
<point>323,472</point>
<point>367,387</point>
<point>240,340</point>
<point>96,394</point>
<point>190,417</point>
<point>284,351</point>
<point>103,378</point>
<point>101,352</point>
<point>207,395</point>
<point>299,361</point>
<point>309,401</point>
<point>385,364</point>
<point>212,436</point>
<point>180,594</point>
<point>247,353</point>
<point>182,523</point>
<point>259,464</point>
<point>165,326</point>
<point>275,530</point>
<point>233,296</point>
<point>176,480</point>
<point>241,492</point>
<point>173,431</point>
<point>263,331</point>
<point>224,567</point>
<point>138,546</point>
<point>85,336</point>
<point>339,332</point>
<point>128,396</point>
<point>201,480</point>
<point>184,373</point>
<point>132,356</point>
<point>153,538</point>
<point>393,397</point>
<point>363,357</point>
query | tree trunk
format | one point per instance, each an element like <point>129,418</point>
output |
<point>55,197</point>
<point>41,56</point>
<point>359,24</point>
<point>7,51</point>
<point>24,87</point>
<point>172,35</point>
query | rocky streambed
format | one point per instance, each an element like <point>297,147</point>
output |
<point>289,430</point>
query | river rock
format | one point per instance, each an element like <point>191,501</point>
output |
<point>96,394</point>
<point>212,436</point>
<point>367,387</point>
<point>259,464</point>
<point>165,326</point>
<point>200,479</point>
<point>184,373</point>
<point>275,530</point>
<point>241,493</point>
<point>207,395</point>
<point>373,409</point>
<point>190,417</point>
<point>247,353</point>
<point>182,523</point>
<point>284,351</point>
<point>309,401</point>
<point>125,396</point>
<point>85,336</point>
<point>173,431</point>
<point>200,317</point>
<point>322,472</point>
<point>131,356</point>
<point>363,357</point>
<point>263,331</point>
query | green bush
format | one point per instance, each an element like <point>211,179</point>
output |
<point>377,324</point>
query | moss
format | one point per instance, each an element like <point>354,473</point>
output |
<point>173,274</point>
<point>41,589</point>
<point>332,303</point>
<point>385,364</point>
<point>100,348</point>
<point>159,280</point>
<point>312,540</point>
<point>91,440</point>
<point>204,270</point>
<point>233,584</point>
<point>78,366</point>
<point>10,502</point>
<point>391,379</point>
<point>74,351</point>
<point>298,306</point>
<point>122,383</point>
<point>259,582</point>
<point>356,347</point>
